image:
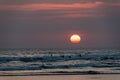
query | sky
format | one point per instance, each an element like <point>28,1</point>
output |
<point>50,23</point>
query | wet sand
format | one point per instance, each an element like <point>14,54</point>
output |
<point>64,77</point>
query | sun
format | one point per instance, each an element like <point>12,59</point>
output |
<point>75,38</point>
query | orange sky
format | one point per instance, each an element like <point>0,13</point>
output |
<point>49,23</point>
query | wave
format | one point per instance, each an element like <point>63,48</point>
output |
<point>36,73</point>
<point>61,57</point>
<point>52,73</point>
<point>23,60</point>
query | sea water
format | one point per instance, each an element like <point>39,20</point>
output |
<point>37,61</point>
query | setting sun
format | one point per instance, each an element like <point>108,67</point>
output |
<point>75,38</point>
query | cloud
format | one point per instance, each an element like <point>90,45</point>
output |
<point>52,10</point>
<point>46,6</point>
<point>75,15</point>
<point>81,15</point>
<point>53,6</point>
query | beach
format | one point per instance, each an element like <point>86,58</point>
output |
<point>64,77</point>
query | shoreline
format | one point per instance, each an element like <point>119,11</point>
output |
<point>59,74</point>
<point>64,77</point>
<point>56,72</point>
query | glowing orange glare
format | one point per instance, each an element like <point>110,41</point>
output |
<point>75,38</point>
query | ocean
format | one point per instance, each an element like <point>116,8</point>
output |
<point>60,61</point>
